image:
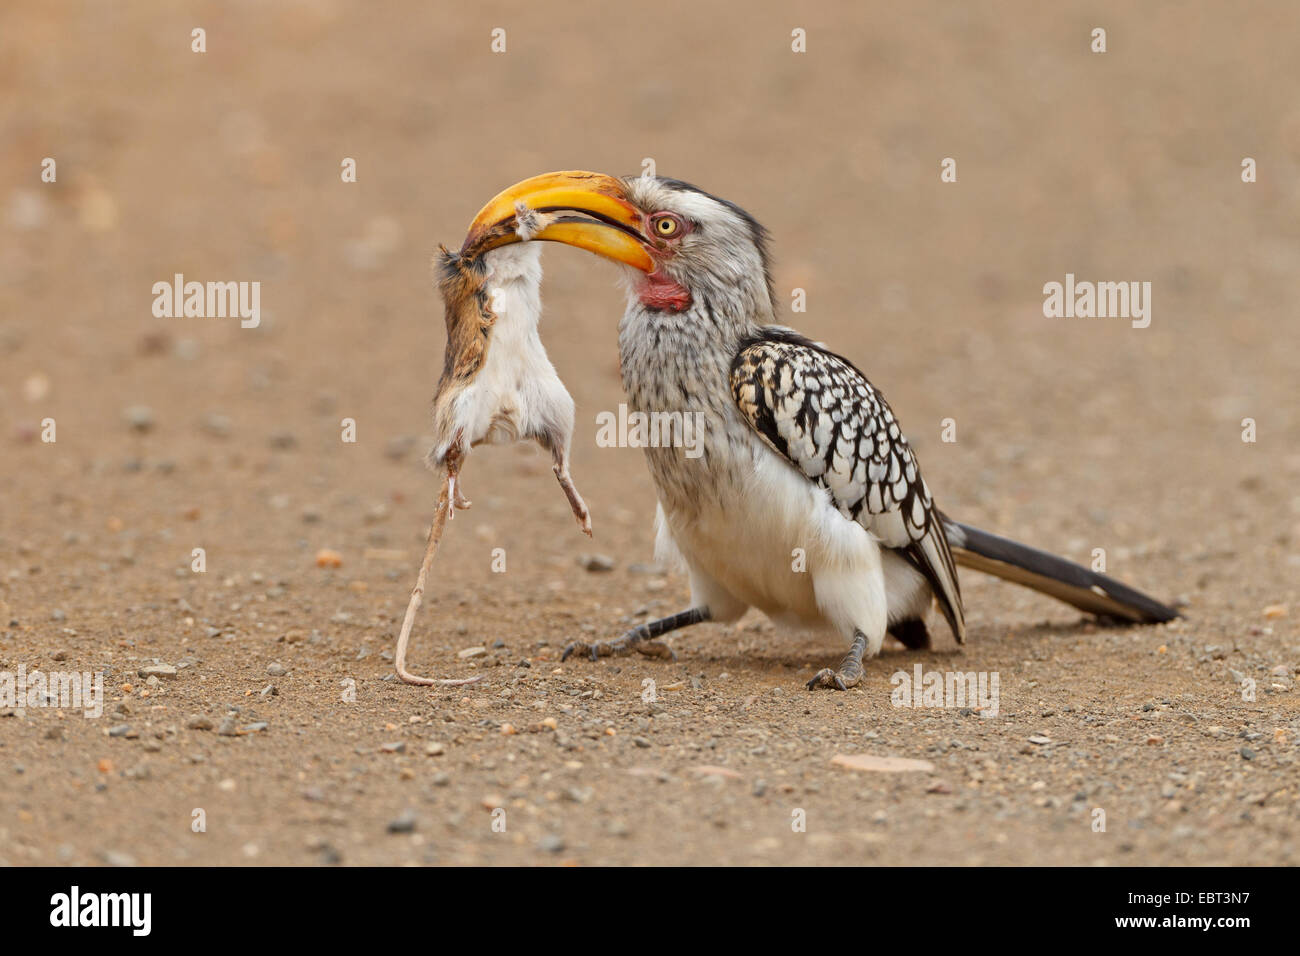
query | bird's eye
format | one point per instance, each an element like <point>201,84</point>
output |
<point>666,225</point>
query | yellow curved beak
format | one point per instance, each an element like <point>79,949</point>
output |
<point>588,210</point>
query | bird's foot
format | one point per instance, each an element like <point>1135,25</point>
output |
<point>850,672</point>
<point>842,679</point>
<point>620,646</point>
<point>642,639</point>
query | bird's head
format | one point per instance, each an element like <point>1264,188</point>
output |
<point>683,245</point>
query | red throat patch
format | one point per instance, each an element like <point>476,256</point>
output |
<point>660,292</point>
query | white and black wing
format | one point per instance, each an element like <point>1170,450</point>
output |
<point>820,413</point>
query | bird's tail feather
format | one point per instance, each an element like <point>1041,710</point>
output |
<point>1044,572</point>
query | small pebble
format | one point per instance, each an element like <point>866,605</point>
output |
<point>596,562</point>
<point>217,425</point>
<point>551,843</point>
<point>139,417</point>
<point>399,447</point>
<point>403,823</point>
<point>325,558</point>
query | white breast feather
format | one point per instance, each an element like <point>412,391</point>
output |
<point>745,557</point>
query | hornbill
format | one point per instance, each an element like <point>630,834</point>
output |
<point>800,451</point>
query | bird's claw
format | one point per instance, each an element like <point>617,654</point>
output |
<point>850,672</point>
<point>842,679</point>
<point>577,647</point>
<point>593,651</point>
<point>618,648</point>
<point>826,678</point>
<point>656,649</point>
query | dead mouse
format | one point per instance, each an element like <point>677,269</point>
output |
<point>497,385</point>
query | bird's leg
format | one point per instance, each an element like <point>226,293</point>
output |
<point>642,638</point>
<point>561,467</point>
<point>850,672</point>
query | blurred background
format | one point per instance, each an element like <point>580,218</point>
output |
<point>225,165</point>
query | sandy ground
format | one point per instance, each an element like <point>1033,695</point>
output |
<point>1074,434</point>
